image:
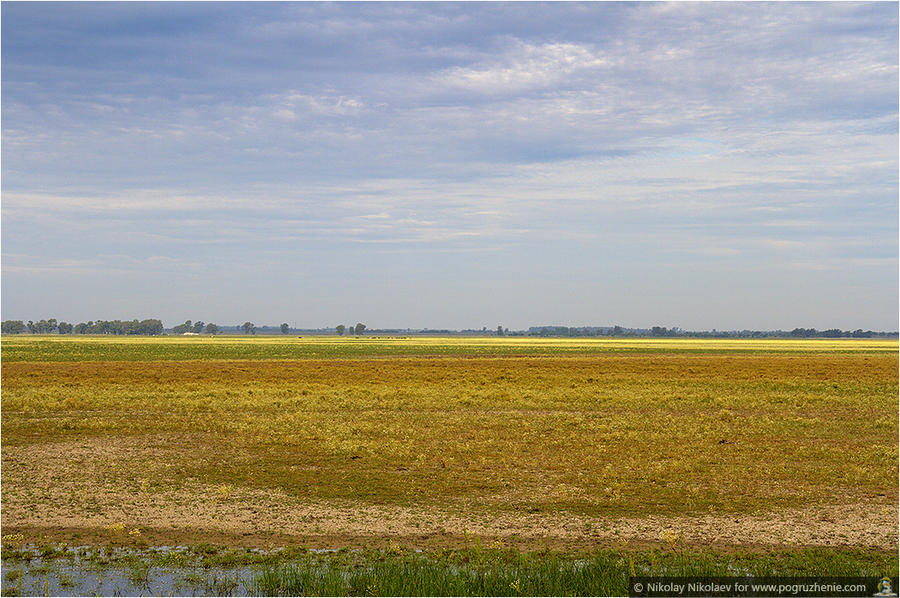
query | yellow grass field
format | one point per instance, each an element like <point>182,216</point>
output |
<point>69,348</point>
<point>432,441</point>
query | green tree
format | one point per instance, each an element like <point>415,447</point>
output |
<point>198,327</point>
<point>212,329</point>
<point>42,327</point>
<point>359,328</point>
<point>249,327</point>
<point>13,327</point>
<point>499,330</point>
<point>65,328</point>
<point>152,327</point>
<point>340,329</point>
<point>285,328</point>
<point>182,328</point>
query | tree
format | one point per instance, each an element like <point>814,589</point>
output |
<point>182,328</point>
<point>65,328</point>
<point>801,332</point>
<point>212,329</point>
<point>42,327</point>
<point>249,328</point>
<point>151,327</point>
<point>198,327</point>
<point>360,328</point>
<point>13,327</point>
<point>340,329</point>
<point>285,328</point>
<point>499,330</point>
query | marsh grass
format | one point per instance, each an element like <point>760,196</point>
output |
<point>396,571</point>
<point>511,573</point>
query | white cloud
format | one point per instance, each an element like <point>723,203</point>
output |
<point>525,67</point>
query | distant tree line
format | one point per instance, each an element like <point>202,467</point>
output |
<point>197,327</point>
<point>153,327</point>
<point>662,331</point>
<point>149,327</point>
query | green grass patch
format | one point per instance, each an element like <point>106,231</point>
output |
<point>511,573</point>
<point>471,571</point>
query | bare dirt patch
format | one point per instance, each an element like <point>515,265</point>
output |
<point>65,490</point>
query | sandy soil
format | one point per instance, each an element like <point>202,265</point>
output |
<point>61,492</point>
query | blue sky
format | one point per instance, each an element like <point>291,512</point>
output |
<point>702,165</point>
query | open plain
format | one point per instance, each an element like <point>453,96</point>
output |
<point>366,441</point>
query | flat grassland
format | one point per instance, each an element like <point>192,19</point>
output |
<point>327,441</point>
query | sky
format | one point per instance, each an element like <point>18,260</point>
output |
<point>442,165</point>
